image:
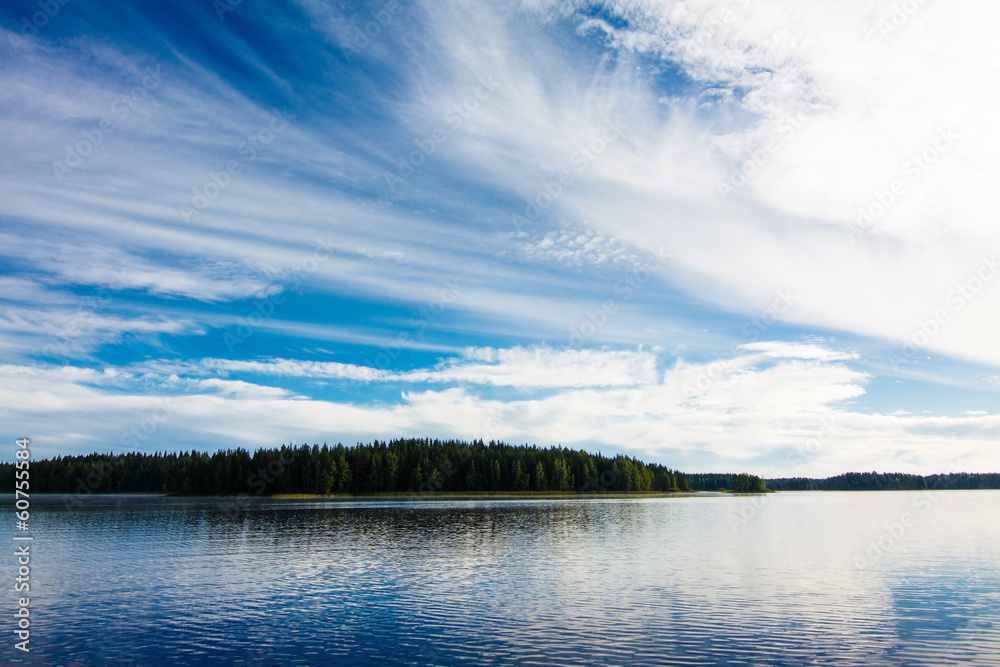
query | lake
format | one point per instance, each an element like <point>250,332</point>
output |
<point>809,578</point>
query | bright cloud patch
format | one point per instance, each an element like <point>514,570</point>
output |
<point>789,417</point>
<point>786,350</point>
<point>517,367</point>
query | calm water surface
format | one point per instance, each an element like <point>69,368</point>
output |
<point>821,578</point>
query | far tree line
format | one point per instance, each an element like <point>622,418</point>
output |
<point>852,481</point>
<point>888,481</point>
<point>423,466</point>
<point>397,466</point>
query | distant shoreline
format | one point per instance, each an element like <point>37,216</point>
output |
<point>527,495</point>
<point>423,469</point>
<point>432,496</point>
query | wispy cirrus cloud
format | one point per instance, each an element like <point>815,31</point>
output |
<point>516,367</point>
<point>476,182</point>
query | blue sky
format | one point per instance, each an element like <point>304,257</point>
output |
<point>719,236</point>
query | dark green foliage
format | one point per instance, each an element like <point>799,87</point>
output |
<point>873,481</point>
<point>963,480</point>
<point>416,466</point>
<point>895,481</point>
<point>746,483</point>
<point>795,484</point>
<point>710,481</point>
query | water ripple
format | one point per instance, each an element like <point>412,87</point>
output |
<point>811,579</point>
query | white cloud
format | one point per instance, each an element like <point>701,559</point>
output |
<point>542,367</point>
<point>788,350</point>
<point>577,247</point>
<point>856,95</point>
<point>294,368</point>
<point>73,328</point>
<point>755,67</point>
<point>748,417</point>
<point>515,367</point>
<point>836,99</point>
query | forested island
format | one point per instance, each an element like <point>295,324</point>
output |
<point>397,466</point>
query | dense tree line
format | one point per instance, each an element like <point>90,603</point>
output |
<point>795,484</point>
<point>963,480</point>
<point>747,483</point>
<point>895,481</point>
<point>713,481</point>
<point>421,466</point>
